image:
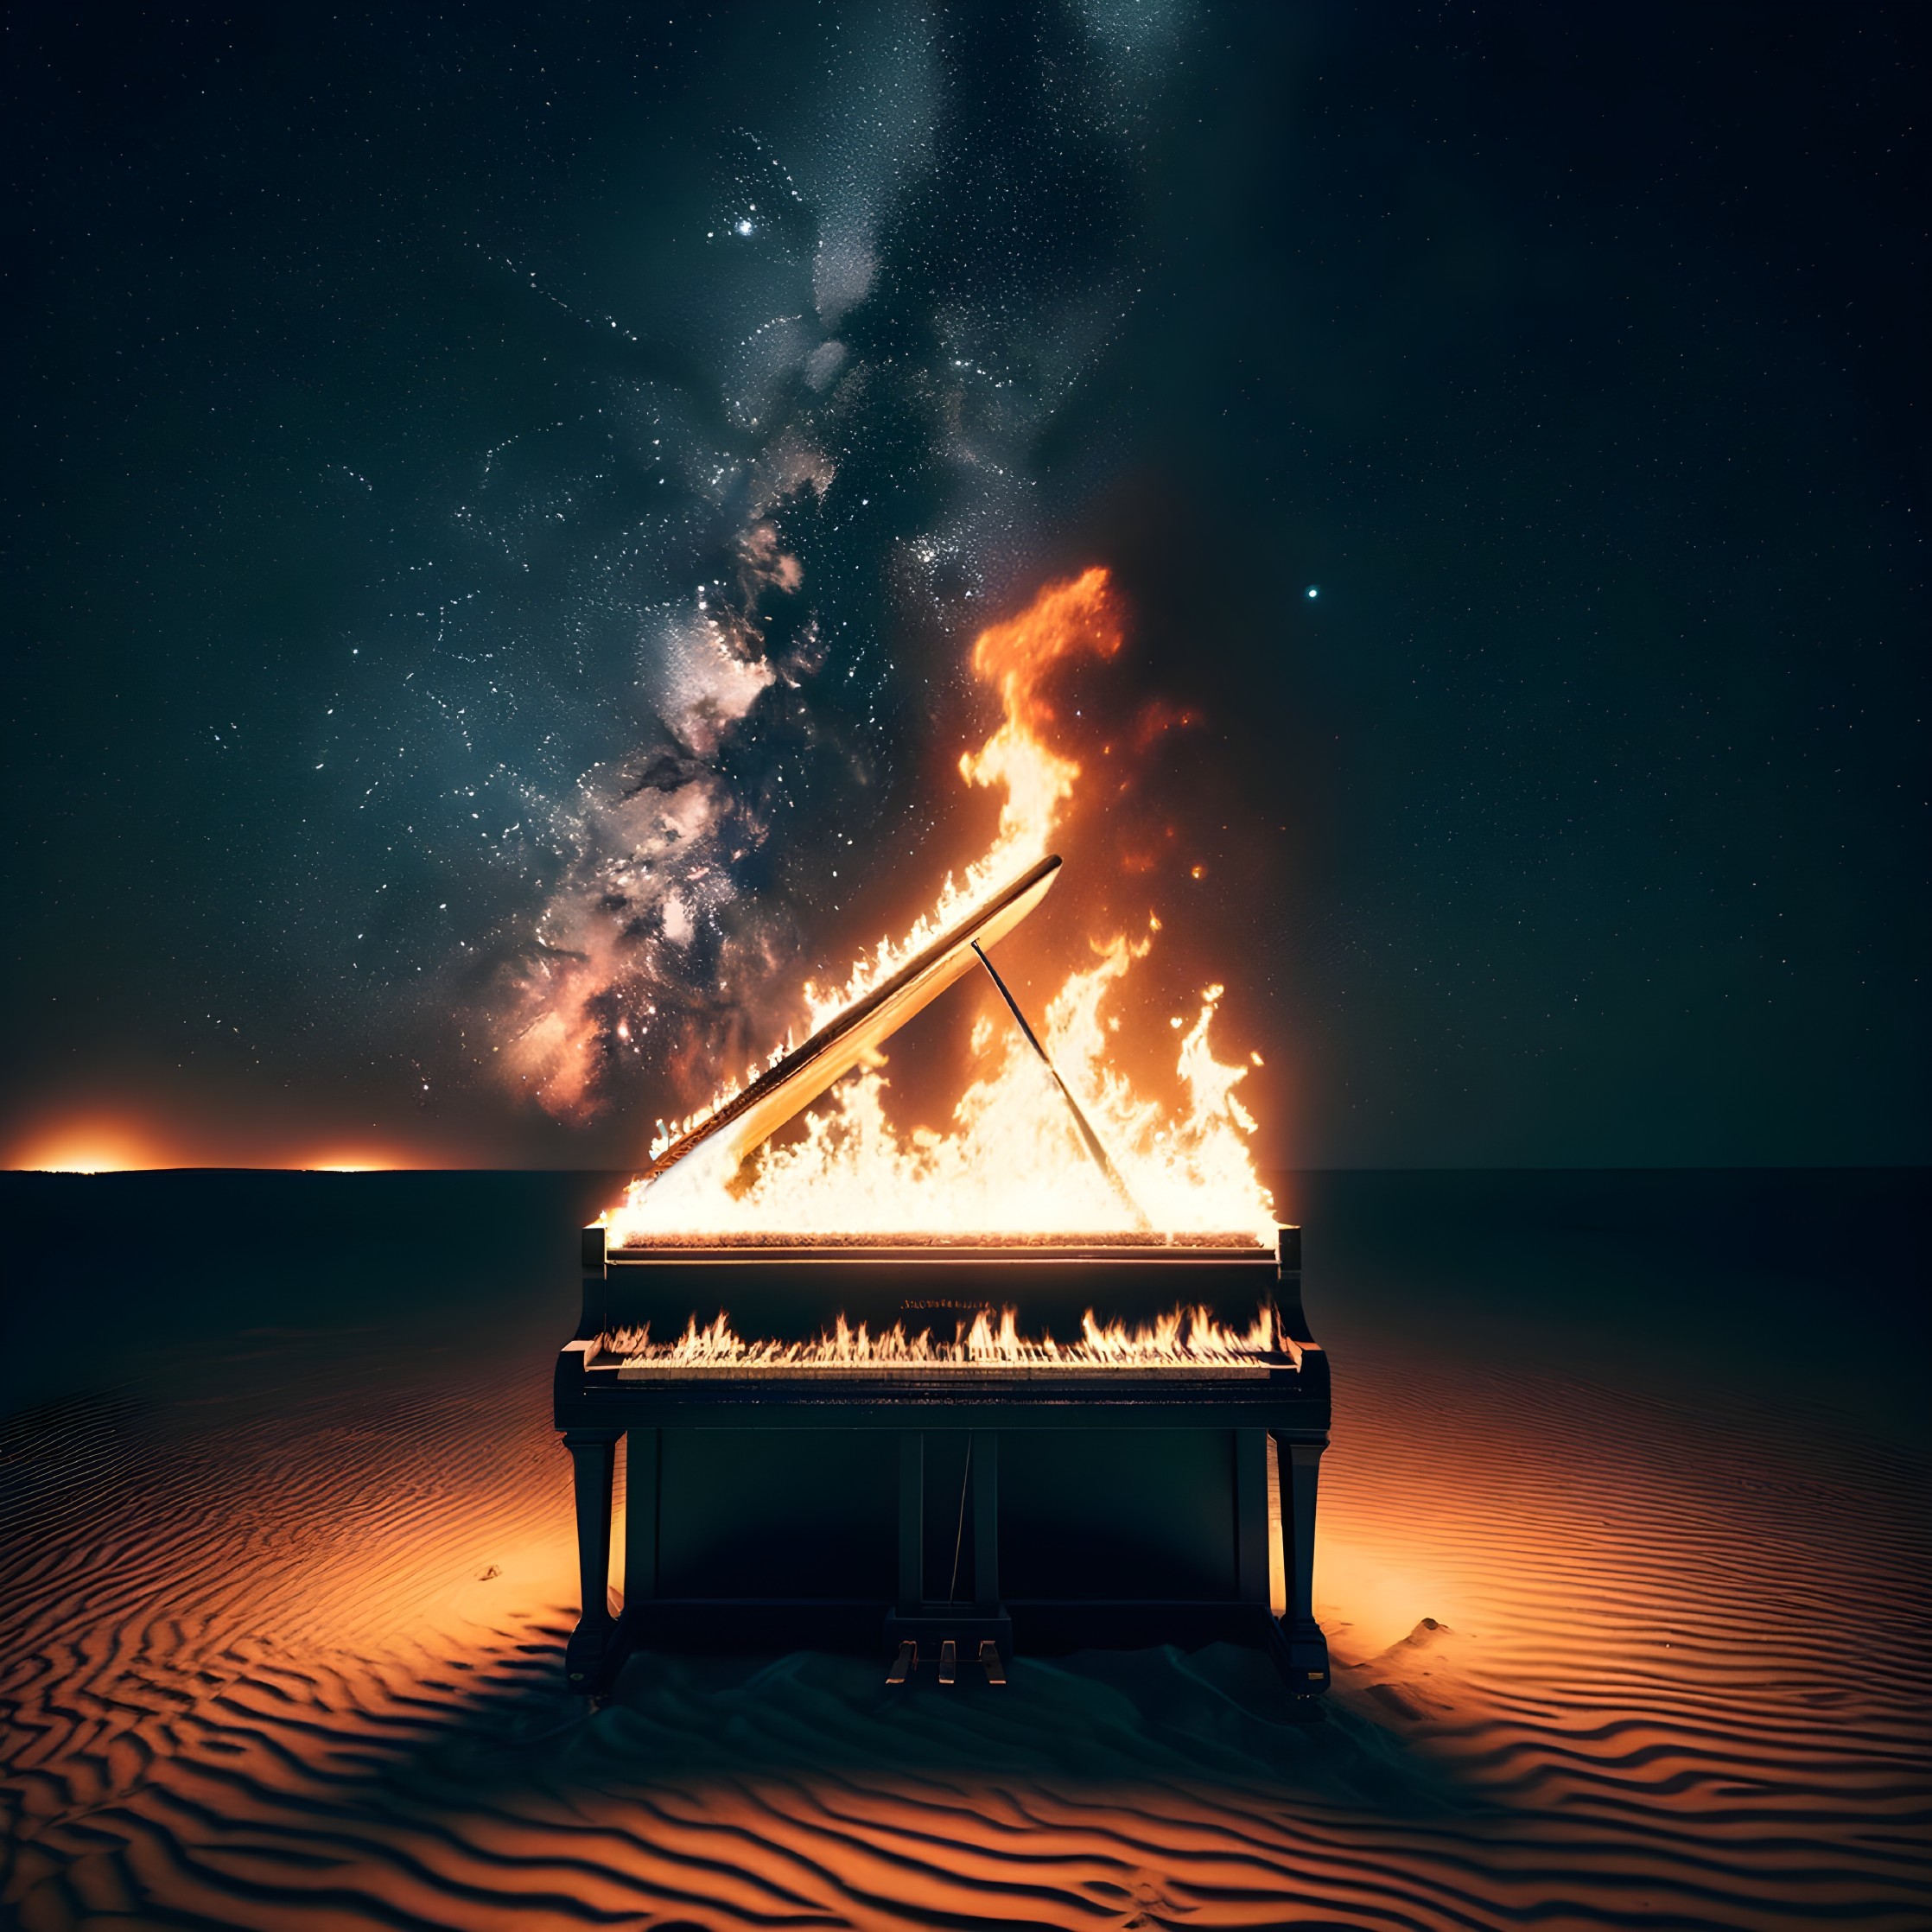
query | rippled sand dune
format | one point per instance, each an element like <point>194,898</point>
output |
<point>281,1612</point>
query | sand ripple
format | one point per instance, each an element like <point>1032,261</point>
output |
<point>1607,1659</point>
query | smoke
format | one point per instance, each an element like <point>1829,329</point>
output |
<point>713,613</point>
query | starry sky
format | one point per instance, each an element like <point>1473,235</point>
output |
<point>498,502</point>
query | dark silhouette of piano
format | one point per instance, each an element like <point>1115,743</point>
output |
<point>956,1491</point>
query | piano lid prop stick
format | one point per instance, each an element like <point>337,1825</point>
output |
<point>1089,1138</point>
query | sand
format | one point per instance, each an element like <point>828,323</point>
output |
<point>1626,1586</point>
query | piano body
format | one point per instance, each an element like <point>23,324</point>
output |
<point>899,1455</point>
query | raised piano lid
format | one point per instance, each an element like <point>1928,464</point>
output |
<point>805,1073</point>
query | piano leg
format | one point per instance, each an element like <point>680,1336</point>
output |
<point>1252,1527</point>
<point>1300,1650</point>
<point>593,1460</point>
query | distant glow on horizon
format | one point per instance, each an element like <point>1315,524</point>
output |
<point>338,1162</point>
<point>106,1139</point>
<point>94,1144</point>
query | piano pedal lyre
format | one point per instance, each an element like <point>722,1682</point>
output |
<point>948,1661</point>
<point>989,1662</point>
<point>904,1663</point>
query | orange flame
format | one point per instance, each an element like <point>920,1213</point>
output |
<point>1011,1162</point>
<point>1182,1337</point>
<point>1014,657</point>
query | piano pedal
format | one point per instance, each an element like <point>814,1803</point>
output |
<point>989,1660</point>
<point>948,1661</point>
<point>904,1663</point>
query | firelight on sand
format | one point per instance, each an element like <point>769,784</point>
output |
<point>1010,1162</point>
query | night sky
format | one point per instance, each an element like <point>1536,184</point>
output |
<point>441,445</point>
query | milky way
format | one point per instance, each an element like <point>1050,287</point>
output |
<point>691,641</point>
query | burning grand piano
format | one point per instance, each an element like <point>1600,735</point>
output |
<point>956,1442</point>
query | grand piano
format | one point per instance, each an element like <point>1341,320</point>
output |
<point>943,1446</point>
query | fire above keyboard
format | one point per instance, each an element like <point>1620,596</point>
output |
<point>1185,1339</point>
<point>1050,1138</point>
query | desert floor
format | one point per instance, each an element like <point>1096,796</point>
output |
<point>1626,1535</point>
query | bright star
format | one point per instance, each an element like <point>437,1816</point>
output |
<point>1314,590</point>
<point>743,227</point>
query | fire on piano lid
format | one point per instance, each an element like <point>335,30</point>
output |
<point>940,1443</point>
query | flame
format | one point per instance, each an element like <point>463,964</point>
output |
<point>1182,1337</point>
<point>1015,658</point>
<point>1011,1162</point>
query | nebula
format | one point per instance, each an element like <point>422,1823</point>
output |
<point>691,636</point>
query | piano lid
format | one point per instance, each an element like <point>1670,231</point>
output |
<point>805,1073</point>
